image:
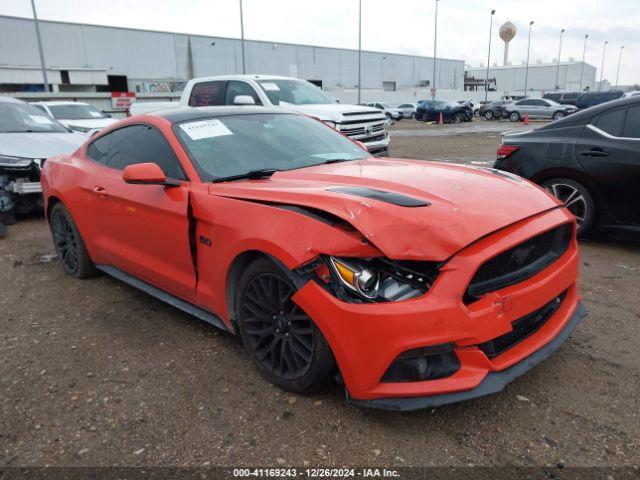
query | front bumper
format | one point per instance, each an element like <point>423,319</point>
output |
<point>367,338</point>
<point>377,146</point>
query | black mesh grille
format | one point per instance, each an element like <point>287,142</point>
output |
<point>522,328</point>
<point>520,262</point>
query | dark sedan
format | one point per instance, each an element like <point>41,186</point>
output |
<point>589,160</point>
<point>452,112</point>
<point>493,110</point>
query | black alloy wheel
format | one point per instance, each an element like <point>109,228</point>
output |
<point>69,244</point>
<point>280,337</point>
<point>576,199</point>
<point>488,115</point>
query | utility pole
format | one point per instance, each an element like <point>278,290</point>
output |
<point>435,45</point>
<point>526,74</point>
<point>584,52</point>
<point>359,52</point>
<point>486,78</point>
<point>619,60</point>
<point>556,87</point>
<point>244,63</point>
<point>604,49</point>
<point>42,65</point>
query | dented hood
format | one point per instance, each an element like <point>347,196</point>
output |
<point>463,203</point>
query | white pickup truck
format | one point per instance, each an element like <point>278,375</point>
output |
<point>360,123</point>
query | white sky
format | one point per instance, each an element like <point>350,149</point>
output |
<point>401,26</point>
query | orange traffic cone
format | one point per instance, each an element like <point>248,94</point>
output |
<point>526,119</point>
<point>440,122</point>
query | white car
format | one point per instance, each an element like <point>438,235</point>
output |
<point>78,116</point>
<point>408,109</point>
<point>394,113</point>
<point>27,138</point>
<point>473,104</point>
<point>359,123</point>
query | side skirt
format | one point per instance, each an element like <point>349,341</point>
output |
<point>164,296</point>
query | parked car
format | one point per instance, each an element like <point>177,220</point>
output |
<point>590,161</point>
<point>28,137</point>
<point>537,108</point>
<point>364,124</point>
<point>493,110</point>
<point>393,113</point>
<point>563,98</point>
<point>78,116</point>
<point>408,109</point>
<point>452,112</point>
<point>474,105</point>
<point>591,99</point>
<point>324,259</point>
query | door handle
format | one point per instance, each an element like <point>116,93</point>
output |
<point>594,152</point>
<point>101,191</point>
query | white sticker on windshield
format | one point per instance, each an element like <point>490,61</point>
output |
<point>41,119</point>
<point>95,114</point>
<point>205,129</point>
<point>270,87</point>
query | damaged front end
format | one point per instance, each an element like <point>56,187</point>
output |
<point>20,189</point>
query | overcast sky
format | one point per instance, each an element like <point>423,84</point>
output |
<point>400,26</point>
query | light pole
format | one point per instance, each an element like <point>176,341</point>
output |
<point>382,59</point>
<point>619,60</point>
<point>604,49</point>
<point>435,44</point>
<point>244,64</point>
<point>44,69</point>
<point>557,87</point>
<point>486,78</point>
<point>360,52</point>
<point>526,74</point>
<point>584,52</point>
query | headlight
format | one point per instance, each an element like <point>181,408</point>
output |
<point>331,124</point>
<point>8,161</point>
<point>380,279</point>
<point>78,128</point>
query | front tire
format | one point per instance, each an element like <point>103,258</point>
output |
<point>457,117</point>
<point>558,115</point>
<point>514,117</point>
<point>69,245</point>
<point>488,115</point>
<point>279,336</point>
<point>577,200</point>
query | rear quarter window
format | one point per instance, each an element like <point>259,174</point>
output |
<point>632,123</point>
<point>207,94</point>
<point>610,122</point>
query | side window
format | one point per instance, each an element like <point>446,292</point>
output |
<point>524,103</point>
<point>139,144</point>
<point>611,122</point>
<point>235,88</point>
<point>98,150</point>
<point>207,94</point>
<point>632,123</point>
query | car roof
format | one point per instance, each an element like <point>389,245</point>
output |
<point>243,77</point>
<point>583,116</point>
<point>10,100</point>
<point>175,115</point>
<point>60,102</point>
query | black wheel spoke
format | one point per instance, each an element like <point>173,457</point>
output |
<point>276,330</point>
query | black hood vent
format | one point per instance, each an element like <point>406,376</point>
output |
<point>381,196</point>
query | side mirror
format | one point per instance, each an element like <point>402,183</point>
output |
<point>243,100</point>
<point>147,174</point>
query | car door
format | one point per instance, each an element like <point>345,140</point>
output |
<point>143,229</point>
<point>609,151</point>
<point>523,107</point>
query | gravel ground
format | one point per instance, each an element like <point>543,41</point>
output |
<point>95,373</point>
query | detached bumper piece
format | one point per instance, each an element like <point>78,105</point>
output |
<point>492,383</point>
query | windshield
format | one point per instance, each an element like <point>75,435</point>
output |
<point>386,105</point>
<point>294,92</point>
<point>236,144</point>
<point>75,112</point>
<point>22,118</point>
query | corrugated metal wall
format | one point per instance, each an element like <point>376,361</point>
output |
<point>160,56</point>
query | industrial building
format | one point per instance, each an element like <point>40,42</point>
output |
<point>510,79</point>
<point>92,58</point>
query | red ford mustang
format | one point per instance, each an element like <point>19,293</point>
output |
<point>414,283</point>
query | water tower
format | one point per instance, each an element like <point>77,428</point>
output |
<point>507,32</point>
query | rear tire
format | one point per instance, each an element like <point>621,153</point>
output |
<point>457,117</point>
<point>488,115</point>
<point>577,199</point>
<point>514,117</point>
<point>279,336</point>
<point>69,245</point>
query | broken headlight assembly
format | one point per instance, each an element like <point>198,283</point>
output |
<point>379,279</point>
<point>14,162</point>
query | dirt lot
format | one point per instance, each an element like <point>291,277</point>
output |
<point>95,373</point>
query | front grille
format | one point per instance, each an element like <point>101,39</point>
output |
<point>360,130</point>
<point>522,328</point>
<point>520,262</point>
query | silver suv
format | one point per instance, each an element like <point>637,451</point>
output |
<point>537,108</point>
